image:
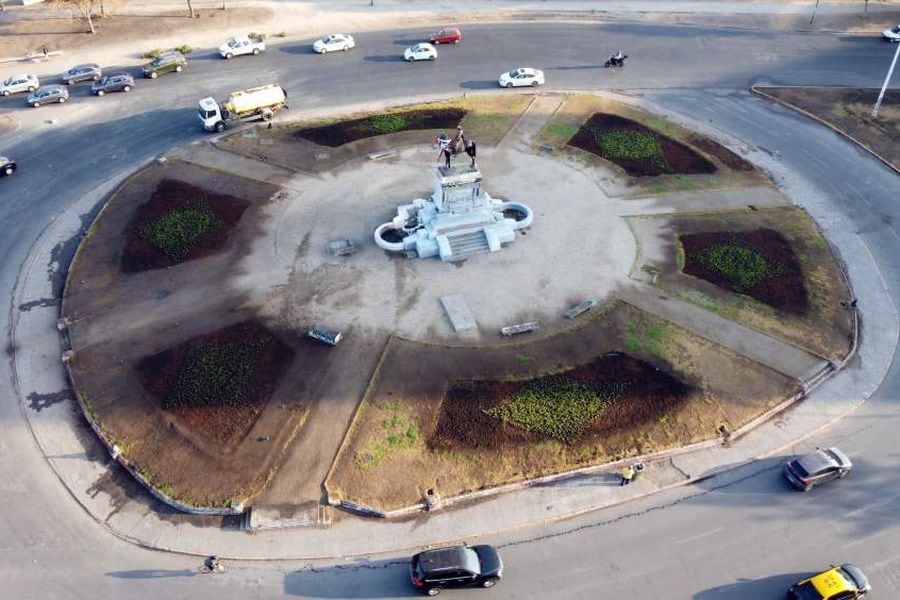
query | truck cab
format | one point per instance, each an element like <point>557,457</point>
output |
<point>211,115</point>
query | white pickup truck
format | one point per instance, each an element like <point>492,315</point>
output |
<point>241,44</point>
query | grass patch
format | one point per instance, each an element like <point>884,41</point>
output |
<point>397,432</point>
<point>560,133</point>
<point>383,124</point>
<point>649,338</point>
<point>216,374</point>
<point>178,231</point>
<point>555,406</point>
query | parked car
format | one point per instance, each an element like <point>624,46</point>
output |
<point>19,83</point>
<point>447,35</point>
<point>7,166</point>
<point>455,566</point>
<point>846,582</point>
<point>807,471</point>
<point>86,72</point>
<point>523,76</point>
<point>335,41</point>
<point>423,51</point>
<point>892,34</point>
<point>241,44</point>
<point>170,62</point>
<point>113,82</point>
<point>47,94</point>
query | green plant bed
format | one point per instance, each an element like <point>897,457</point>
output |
<point>343,132</point>
<point>178,231</point>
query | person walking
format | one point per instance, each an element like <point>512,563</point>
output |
<point>627,475</point>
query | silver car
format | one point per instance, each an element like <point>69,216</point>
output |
<point>86,72</point>
<point>18,84</point>
<point>47,94</point>
<point>807,471</point>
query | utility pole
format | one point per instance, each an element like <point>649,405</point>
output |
<point>815,8</point>
<point>886,81</point>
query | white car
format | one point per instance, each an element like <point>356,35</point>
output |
<point>19,83</point>
<point>241,44</point>
<point>892,34</point>
<point>523,76</point>
<point>423,51</point>
<point>335,41</point>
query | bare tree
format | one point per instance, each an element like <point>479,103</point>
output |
<point>190,8</point>
<point>85,8</point>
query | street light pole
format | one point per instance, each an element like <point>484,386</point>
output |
<point>886,81</point>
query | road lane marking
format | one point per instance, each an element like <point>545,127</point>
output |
<point>700,536</point>
<point>863,509</point>
<point>865,539</point>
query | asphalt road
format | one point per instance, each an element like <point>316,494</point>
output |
<point>739,536</point>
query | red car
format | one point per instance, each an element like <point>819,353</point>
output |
<point>447,35</point>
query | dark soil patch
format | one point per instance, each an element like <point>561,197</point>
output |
<point>217,384</point>
<point>179,222</point>
<point>758,263</point>
<point>344,132</point>
<point>643,394</point>
<point>726,156</point>
<point>639,150</point>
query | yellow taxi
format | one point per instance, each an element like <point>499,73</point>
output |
<point>846,582</point>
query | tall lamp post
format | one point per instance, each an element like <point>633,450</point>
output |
<point>886,81</point>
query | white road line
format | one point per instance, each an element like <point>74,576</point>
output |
<point>699,536</point>
<point>862,509</point>
<point>865,539</point>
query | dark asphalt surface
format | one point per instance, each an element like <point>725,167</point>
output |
<point>739,536</point>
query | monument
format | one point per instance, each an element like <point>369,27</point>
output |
<point>459,220</point>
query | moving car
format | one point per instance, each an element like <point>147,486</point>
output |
<point>86,72</point>
<point>455,566</point>
<point>241,44</point>
<point>19,83</point>
<point>447,35</point>
<point>523,76</point>
<point>846,582</point>
<point>807,471</point>
<point>113,82</point>
<point>7,166</point>
<point>47,94</point>
<point>170,62</point>
<point>335,41</point>
<point>423,51</point>
<point>892,34</point>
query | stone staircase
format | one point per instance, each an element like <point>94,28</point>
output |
<point>465,245</point>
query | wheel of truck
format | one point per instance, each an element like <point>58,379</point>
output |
<point>255,51</point>
<point>267,115</point>
<point>179,69</point>
<point>229,56</point>
<point>154,75</point>
<point>220,127</point>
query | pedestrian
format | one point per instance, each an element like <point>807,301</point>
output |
<point>627,475</point>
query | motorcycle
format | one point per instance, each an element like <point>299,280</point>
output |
<point>613,61</point>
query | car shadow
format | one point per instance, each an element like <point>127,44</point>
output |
<point>297,49</point>
<point>361,579</point>
<point>575,67</point>
<point>214,55</point>
<point>152,573</point>
<point>411,41</point>
<point>384,58</point>
<point>752,589</point>
<point>483,84</point>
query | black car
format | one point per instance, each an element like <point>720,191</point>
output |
<point>456,566</point>
<point>114,82</point>
<point>7,166</point>
<point>86,72</point>
<point>810,470</point>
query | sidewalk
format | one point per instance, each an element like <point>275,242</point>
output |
<point>105,491</point>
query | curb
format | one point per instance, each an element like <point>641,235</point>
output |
<point>758,90</point>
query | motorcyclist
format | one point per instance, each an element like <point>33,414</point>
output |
<point>618,58</point>
<point>212,563</point>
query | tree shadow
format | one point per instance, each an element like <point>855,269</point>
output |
<point>370,579</point>
<point>752,589</point>
<point>583,480</point>
<point>152,573</point>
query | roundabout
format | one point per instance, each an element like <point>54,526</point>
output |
<point>735,112</point>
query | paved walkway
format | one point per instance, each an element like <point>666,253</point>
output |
<point>702,202</point>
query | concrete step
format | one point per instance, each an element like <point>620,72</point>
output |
<point>467,244</point>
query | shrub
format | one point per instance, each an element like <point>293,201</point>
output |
<point>155,53</point>
<point>383,124</point>
<point>184,49</point>
<point>216,374</point>
<point>257,36</point>
<point>178,231</point>
<point>741,266</point>
<point>627,144</point>
<point>556,406</point>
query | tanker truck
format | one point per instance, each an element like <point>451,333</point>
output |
<point>244,105</point>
